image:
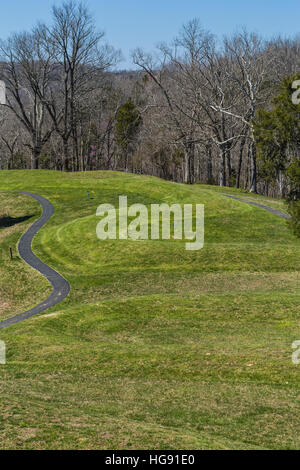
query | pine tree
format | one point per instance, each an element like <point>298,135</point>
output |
<point>128,121</point>
<point>277,134</point>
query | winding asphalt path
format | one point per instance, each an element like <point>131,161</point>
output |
<point>60,286</point>
<point>267,208</point>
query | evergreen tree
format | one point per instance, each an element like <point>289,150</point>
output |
<point>294,196</point>
<point>277,134</point>
<point>128,121</point>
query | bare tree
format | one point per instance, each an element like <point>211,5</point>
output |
<point>250,70</point>
<point>193,81</point>
<point>180,112</point>
<point>26,72</point>
<point>80,59</point>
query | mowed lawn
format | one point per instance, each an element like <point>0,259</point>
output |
<point>156,346</point>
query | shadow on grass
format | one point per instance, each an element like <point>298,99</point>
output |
<point>10,221</point>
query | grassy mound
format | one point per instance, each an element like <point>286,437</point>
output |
<point>155,347</point>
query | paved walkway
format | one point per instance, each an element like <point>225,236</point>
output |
<point>267,208</point>
<point>60,287</point>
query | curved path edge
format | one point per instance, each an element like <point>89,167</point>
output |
<point>60,286</point>
<point>262,206</point>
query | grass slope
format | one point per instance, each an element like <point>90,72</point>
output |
<point>156,347</point>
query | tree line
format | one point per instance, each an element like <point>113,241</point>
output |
<point>195,110</point>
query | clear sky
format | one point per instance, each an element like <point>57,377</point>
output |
<point>144,23</point>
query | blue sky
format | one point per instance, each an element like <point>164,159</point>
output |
<point>144,23</point>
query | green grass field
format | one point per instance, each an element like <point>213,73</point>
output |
<point>156,346</point>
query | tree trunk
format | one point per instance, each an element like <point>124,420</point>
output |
<point>189,170</point>
<point>222,168</point>
<point>253,185</point>
<point>66,163</point>
<point>186,166</point>
<point>281,184</point>
<point>240,161</point>
<point>209,164</point>
<point>192,164</point>
<point>228,160</point>
<point>247,169</point>
<point>35,158</point>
